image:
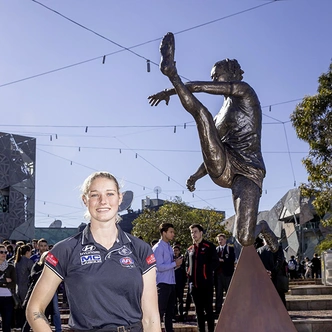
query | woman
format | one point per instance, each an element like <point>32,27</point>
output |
<point>109,275</point>
<point>10,251</point>
<point>23,266</point>
<point>7,286</point>
<point>308,268</point>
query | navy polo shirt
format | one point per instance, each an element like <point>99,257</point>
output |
<point>104,287</point>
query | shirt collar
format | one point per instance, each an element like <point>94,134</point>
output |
<point>87,237</point>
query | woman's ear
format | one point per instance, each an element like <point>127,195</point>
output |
<point>120,198</point>
<point>84,200</point>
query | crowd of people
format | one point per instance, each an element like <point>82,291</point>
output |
<point>205,269</point>
<point>20,267</point>
<point>304,269</point>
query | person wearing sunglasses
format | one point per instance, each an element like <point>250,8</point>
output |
<point>7,286</point>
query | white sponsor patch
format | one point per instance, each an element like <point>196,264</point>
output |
<point>90,259</point>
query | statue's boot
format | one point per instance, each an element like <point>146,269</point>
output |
<point>167,50</point>
<point>270,238</point>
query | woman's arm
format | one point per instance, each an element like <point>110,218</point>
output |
<point>151,319</point>
<point>41,296</point>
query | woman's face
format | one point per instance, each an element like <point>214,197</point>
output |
<point>103,200</point>
<point>3,253</point>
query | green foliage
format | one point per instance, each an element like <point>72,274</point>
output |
<point>181,216</point>
<point>312,120</point>
<point>324,245</point>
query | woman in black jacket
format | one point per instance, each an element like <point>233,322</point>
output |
<point>7,286</point>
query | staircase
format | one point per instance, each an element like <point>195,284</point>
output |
<point>309,304</point>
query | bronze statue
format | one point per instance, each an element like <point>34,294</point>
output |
<point>230,143</point>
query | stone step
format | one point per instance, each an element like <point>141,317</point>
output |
<point>311,290</point>
<point>308,302</point>
<point>298,282</point>
<point>312,321</point>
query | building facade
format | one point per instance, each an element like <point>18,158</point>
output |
<point>17,186</point>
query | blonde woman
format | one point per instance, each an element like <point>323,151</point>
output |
<point>109,275</point>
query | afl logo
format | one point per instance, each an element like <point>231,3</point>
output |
<point>89,248</point>
<point>127,262</point>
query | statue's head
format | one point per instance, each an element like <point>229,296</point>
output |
<point>227,70</point>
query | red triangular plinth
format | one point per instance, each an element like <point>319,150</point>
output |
<point>252,303</point>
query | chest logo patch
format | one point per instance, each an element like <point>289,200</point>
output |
<point>124,251</point>
<point>90,259</point>
<point>89,247</point>
<point>127,262</point>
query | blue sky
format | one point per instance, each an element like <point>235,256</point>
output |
<point>283,47</point>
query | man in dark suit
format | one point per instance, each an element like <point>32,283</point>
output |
<point>201,261</point>
<point>224,272</point>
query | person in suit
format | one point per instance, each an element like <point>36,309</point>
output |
<point>180,282</point>
<point>201,261</point>
<point>224,272</point>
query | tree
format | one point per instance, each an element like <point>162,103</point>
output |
<point>326,244</point>
<point>312,120</point>
<point>181,216</point>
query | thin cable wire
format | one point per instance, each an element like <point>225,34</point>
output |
<point>289,155</point>
<point>92,31</point>
<point>81,147</point>
<point>123,48</point>
<point>188,124</point>
<point>88,167</point>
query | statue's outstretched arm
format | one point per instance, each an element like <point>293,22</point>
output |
<point>155,99</point>
<point>201,171</point>
<point>237,89</point>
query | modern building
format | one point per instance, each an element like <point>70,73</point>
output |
<point>17,186</point>
<point>295,223</point>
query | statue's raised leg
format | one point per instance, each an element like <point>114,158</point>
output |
<point>212,148</point>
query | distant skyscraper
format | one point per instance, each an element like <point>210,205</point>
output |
<point>17,186</point>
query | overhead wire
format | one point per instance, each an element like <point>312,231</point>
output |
<point>123,48</point>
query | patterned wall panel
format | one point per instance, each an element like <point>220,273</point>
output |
<point>17,185</point>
